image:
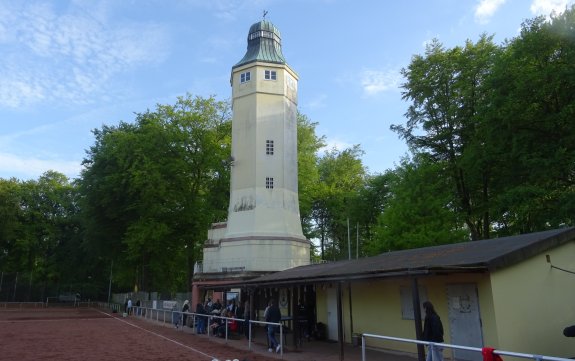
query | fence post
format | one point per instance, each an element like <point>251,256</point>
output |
<point>281,341</point>
<point>249,334</point>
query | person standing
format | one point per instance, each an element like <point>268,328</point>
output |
<point>247,317</point>
<point>129,306</point>
<point>139,309</point>
<point>202,320</point>
<point>185,310</point>
<point>432,332</point>
<point>273,315</point>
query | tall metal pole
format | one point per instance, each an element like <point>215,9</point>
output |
<point>110,285</point>
<point>15,287</point>
<point>348,240</point>
<point>357,241</point>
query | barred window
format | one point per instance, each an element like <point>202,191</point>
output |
<point>245,77</point>
<point>270,75</point>
<point>269,182</point>
<point>269,147</point>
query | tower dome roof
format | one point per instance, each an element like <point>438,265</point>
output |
<point>264,44</point>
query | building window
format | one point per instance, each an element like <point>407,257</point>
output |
<point>269,182</point>
<point>270,75</point>
<point>245,77</point>
<point>269,147</point>
<point>406,296</point>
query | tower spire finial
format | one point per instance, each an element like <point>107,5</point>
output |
<point>265,13</point>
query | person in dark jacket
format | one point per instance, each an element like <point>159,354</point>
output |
<point>432,332</point>
<point>273,314</point>
<point>202,321</point>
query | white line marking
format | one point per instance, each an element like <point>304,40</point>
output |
<point>161,336</point>
<point>55,319</point>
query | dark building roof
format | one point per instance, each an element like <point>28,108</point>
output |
<point>477,256</point>
<point>264,44</point>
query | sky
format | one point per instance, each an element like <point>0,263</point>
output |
<point>68,67</point>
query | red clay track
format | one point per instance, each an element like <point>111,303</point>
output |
<point>90,334</point>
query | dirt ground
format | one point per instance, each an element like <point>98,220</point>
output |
<point>90,334</point>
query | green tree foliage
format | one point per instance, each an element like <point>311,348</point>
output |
<point>341,176</point>
<point>447,88</point>
<point>498,122</point>
<point>40,235</point>
<point>308,144</point>
<point>371,201</point>
<point>532,122</point>
<point>419,209</point>
<point>152,188</point>
<point>9,223</point>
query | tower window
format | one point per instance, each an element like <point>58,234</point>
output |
<point>270,75</point>
<point>269,182</point>
<point>245,77</point>
<point>269,147</point>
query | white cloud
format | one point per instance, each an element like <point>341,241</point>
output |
<point>28,167</point>
<point>338,144</point>
<point>54,55</point>
<point>374,82</point>
<point>486,9</point>
<point>546,7</point>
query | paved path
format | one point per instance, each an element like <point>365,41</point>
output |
<point>310,350</point>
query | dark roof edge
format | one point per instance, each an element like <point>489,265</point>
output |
<point>531,250</point>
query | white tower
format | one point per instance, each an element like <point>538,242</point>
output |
<point>263,231</point>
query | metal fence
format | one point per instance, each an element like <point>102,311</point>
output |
<point>175,317</point>
<point>433,345</point>
<point>21,305</point>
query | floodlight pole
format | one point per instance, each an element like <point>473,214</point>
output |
<point>348,241</point>
<point>110,285</point>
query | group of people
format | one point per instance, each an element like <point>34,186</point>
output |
<point>233,314</point>
<point>217,325</point>
<point>129,305</point>
<point>432,326</point>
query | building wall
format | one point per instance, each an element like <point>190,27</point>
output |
<point>377,307</point>
<point>534,303</point>
<point>263,110</point>
<point>264,230</point>
<point>523,308</point>
<point>256,255</point>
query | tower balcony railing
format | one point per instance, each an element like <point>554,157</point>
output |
<point>239,265</point>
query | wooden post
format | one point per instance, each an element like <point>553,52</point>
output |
<point>417,317</point>
<point>340,322</point>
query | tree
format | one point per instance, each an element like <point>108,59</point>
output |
<point>38,218</point>
<point>152,188</point>
<point>419,209</point>
<point>448,89</point>
<point>371,201</point>
<point>308,146</point>
<point>341,176</point>
<point>10,214</point>
<point>531,124</point>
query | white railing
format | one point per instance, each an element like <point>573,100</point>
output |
<point>21,304</point>
<point>231,265</point>
<point>432,345</point>
<point>175,317</point>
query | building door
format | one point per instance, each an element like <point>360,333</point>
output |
<point>464,320</point>
<point>332,314</point>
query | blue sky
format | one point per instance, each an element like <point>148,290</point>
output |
<point>67,67</point>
